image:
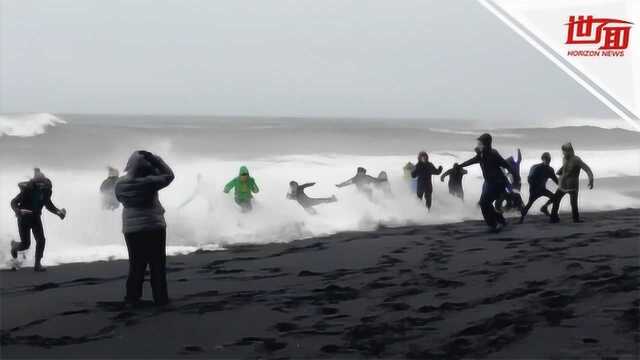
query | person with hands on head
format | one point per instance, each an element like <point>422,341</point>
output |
<point>143,224</point>
<point>423,172</point>
<point>569,181</point>
<point>27,205</point>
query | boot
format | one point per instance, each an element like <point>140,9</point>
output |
<point>38,266</point>
<point>14,249</point>
<point>545,210</point>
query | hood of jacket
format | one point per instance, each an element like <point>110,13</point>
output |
<point>569,149</point>
<point>243,171</point>
<point>138,166</point>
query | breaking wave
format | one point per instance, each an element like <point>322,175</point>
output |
<point>27,125</point>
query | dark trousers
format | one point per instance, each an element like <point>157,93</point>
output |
<point>426,192</point>
<point>26,225</point>
<point>535,195</point>
<point>490,193</point>
<point>147,248</point>
<point>557,198</point>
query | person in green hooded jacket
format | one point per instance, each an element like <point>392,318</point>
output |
<point>244,186</point>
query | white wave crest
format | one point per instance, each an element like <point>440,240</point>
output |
<point>27,125</point>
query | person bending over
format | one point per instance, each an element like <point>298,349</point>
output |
<point>539,174</point>
<point>569,182</point>
<point>455,175</point>
<point>27,205</point>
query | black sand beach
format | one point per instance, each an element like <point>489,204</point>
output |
<point>447,291</point>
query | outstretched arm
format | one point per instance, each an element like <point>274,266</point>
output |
<point>473,160</point>
<point>346,183</point>
<point>587,169</point>
<point>304,186</point>
<point>446,173</point>
<point>49,204</point>
<point>189,199</point>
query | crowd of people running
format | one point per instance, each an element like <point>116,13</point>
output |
<point>144,226</point>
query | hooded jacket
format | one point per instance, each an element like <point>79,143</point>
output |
<point>491,163</point>
<point>34,195</point>
<point>243,190</point>
<point>423,171</point>
<point>570,170</point>
<point>538,176</point>
<point>138,192</point>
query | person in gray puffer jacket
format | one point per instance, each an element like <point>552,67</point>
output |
<point>143,223</point>
<point>568,182</point>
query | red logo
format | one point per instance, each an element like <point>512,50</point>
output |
<point>611,35</point>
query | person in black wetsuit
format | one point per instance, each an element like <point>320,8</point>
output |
<point>538,176</point>
<point>362,181</point>
<point>297,193</point>
<point>455,175</point>
<point>108,190</point>
<point>27,205</point>
<point>495,182</point>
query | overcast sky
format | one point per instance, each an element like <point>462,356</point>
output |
<point>367,58</point>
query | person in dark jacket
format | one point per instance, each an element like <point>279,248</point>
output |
<point>423,172</point>
<point>455,175</point>
<point>27,205</point>
<point>362,181</point>
<point>569,182</point>
<point>512,195</point>
<point>143,223</point>
<point>108,190</point>
<point>495,182</point>
<point>539,174</point>
<point>296,192</point>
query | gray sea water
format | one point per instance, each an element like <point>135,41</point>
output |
<point>75,152</point>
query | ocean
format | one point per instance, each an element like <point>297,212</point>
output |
<point>74,151</point>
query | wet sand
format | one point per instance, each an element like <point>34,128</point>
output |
<point>447,291</point>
